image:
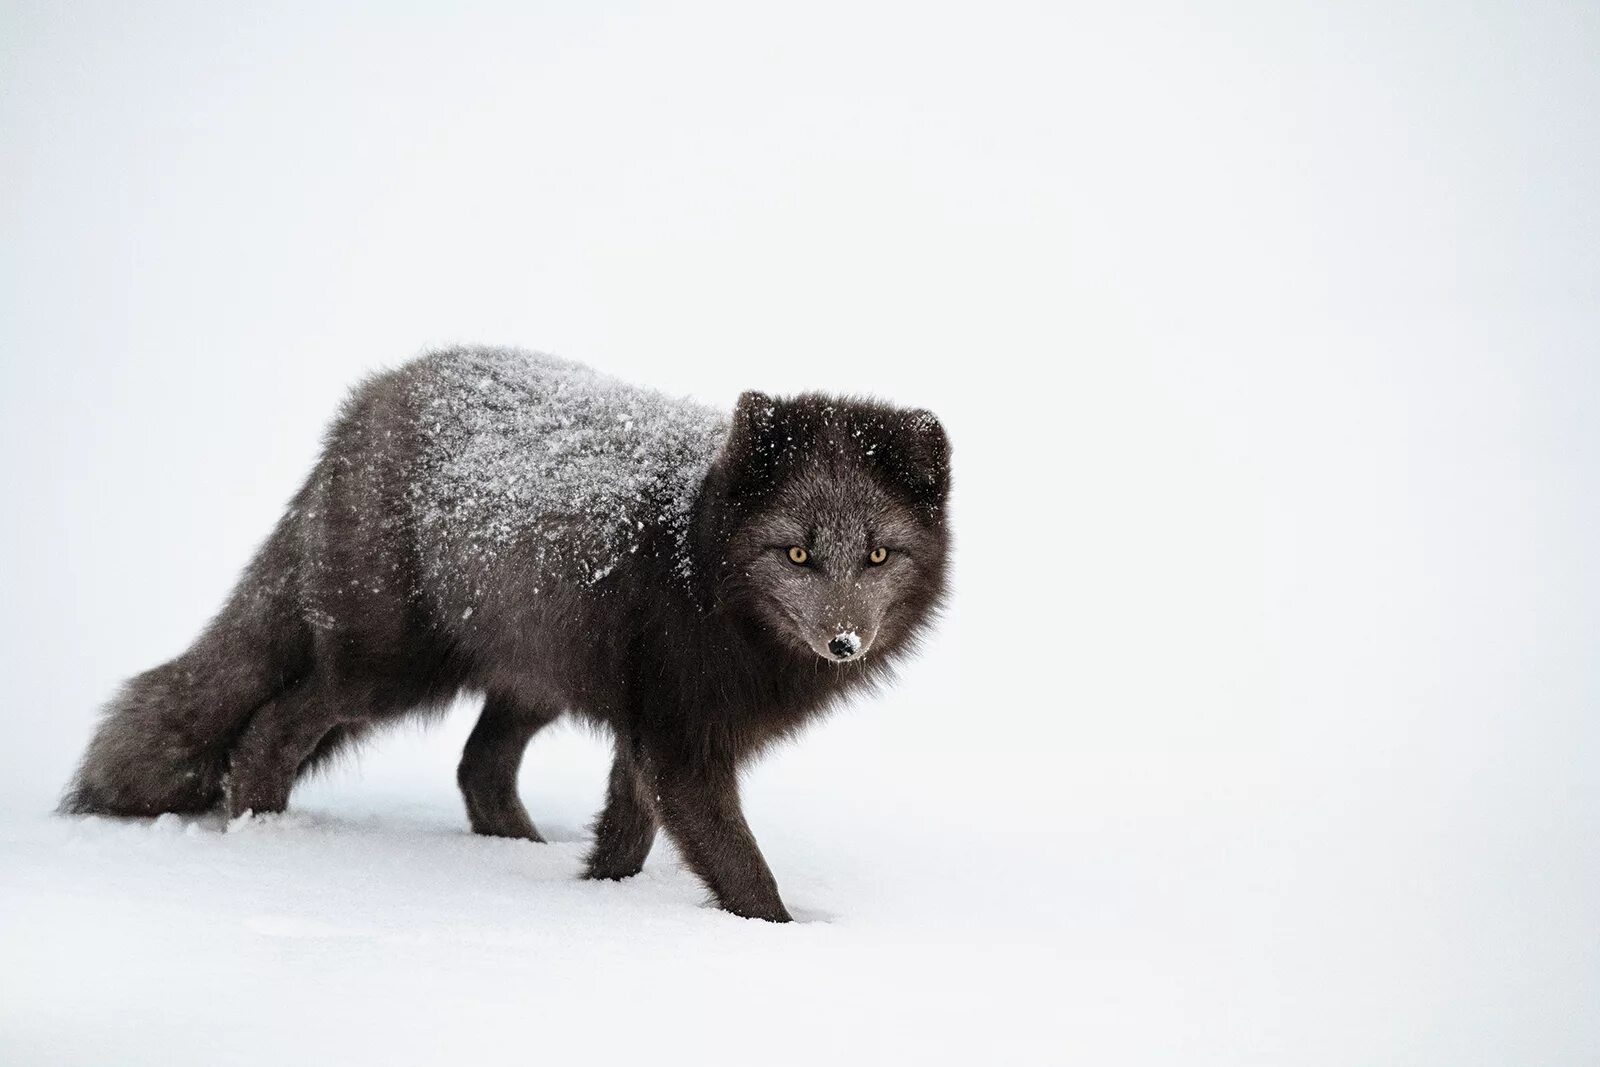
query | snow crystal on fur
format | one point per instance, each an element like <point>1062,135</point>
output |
<point>571,466</point>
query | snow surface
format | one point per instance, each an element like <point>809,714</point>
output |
<point>956,903</point>
<point>375,927</point>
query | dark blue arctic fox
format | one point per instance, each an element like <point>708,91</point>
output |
<point>496,521</point>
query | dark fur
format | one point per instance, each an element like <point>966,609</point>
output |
<point>327,636</point>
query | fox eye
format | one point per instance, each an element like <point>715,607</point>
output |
<point>878,556</point>
<point>798,555</point>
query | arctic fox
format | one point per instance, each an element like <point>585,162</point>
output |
<point>506,523</point>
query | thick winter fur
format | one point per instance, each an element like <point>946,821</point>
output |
<point>495,521</point>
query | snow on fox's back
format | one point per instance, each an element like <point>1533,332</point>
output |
<point>514,442</point>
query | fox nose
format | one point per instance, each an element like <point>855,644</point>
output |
<point>844,645</point>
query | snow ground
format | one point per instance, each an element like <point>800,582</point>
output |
<point>1125,913</point>
<point>375,925</point>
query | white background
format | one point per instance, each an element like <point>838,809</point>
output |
<point>1263,726</point>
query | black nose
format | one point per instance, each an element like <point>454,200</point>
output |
<point>841,648</point>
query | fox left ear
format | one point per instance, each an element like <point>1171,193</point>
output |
<point>924,457</point>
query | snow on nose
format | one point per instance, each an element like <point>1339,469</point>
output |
<point>845,645</point>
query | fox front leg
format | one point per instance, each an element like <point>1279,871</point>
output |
<point>627,827</point>
<point>699,807</point>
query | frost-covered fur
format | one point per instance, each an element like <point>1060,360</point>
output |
<point>497,521</point>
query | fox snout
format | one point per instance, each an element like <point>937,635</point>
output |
<point>841,645</point>
<point>846,645</point>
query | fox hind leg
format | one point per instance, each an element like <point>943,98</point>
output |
<point>280,736</point>
<point>489,764</point>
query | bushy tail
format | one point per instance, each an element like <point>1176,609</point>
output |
<point>163,742</point>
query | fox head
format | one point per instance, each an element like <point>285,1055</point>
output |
<point>831,532</point>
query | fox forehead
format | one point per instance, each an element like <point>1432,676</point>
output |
<point>829,512</point>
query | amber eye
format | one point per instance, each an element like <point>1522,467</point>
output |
<point>798,555</point>
<point>878,556</point>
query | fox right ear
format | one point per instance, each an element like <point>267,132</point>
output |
<point>751,455</point>
<point>754,411</point>
<point>752,424</point>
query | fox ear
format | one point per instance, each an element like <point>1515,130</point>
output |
<point>750,456</point>
<point>923,457</point>
<point>754,411</point>
<point>752,424</point>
